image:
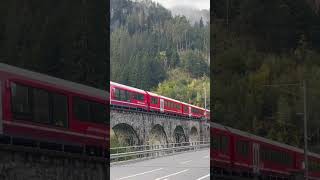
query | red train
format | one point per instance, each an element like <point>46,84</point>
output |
<point>238,153</point>
<point>122,96</point>
<point>52,112</point>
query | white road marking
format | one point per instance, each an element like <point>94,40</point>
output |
<point>140,174</point>
<point>185,162</point>
<point>203,177</point>
<point>172,174</point>
<point>206,157</point>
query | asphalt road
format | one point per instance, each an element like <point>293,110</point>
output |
<point>186,166</point>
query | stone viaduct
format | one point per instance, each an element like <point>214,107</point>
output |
<point>138,128</point>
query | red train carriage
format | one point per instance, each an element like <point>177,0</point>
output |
<point>47,109</point>
<point>219,149</point>
<point>128,97</point>
<point>243,154</point>
<point>154,103</point>
<point>197,112</point>
<point>186,110</point>
<point>171,106</point>
<point>122,96</point>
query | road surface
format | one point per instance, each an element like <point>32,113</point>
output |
<point>186,166</point>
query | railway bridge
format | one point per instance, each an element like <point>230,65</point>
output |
<point>139,128</point>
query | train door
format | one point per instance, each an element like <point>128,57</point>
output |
<point>189,111</point>
<point>1,126</point>
<point>256,158</point>
<point>161,105</point>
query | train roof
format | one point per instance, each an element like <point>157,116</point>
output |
<point>265,140</point>
<point>127,87</point>
<point>196,106</point>
<point>183,103</point>
<point>153,94</point>
<point>193,106</point>
<point>164,97</point>
<point>69,85</point>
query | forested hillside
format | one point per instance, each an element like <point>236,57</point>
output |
<point>193,15</point>
<point>258,45</point>
<point>153,50</point>
<point>66,39</point>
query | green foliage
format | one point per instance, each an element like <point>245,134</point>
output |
<point>181,86</point>
<point>148,46</point>
<point>266,43</point>
<point>194,63</point>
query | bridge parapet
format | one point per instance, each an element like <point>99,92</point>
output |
<point>138,128</point>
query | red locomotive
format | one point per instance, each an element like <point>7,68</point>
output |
<point>234,152</point>
<point>122,96</point>
<point>36,108</point>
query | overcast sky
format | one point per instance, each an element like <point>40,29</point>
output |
<point>199,4</point>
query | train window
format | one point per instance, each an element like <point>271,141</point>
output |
<point>243,148</point>
<point>280,157</point>
<point>21,101</point>
<point>123,95</point>
<point>195,111</point>
<point>224,143</point>
<point>262,154</point>
<point>139,97</point>
<point>289,159</point>
<point>98,112</point>
<point>273,156</point>
<point>117,93</point>
<point>215,141</point>
<point>41,106</point>
<point>154,100</point>
<point>185,108</point>
<point>81,109</point>
<point>129,96</point>
<point>89,111</point>
<point>59,110</point>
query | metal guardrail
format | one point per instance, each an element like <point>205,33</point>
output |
<point>151,151</point>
